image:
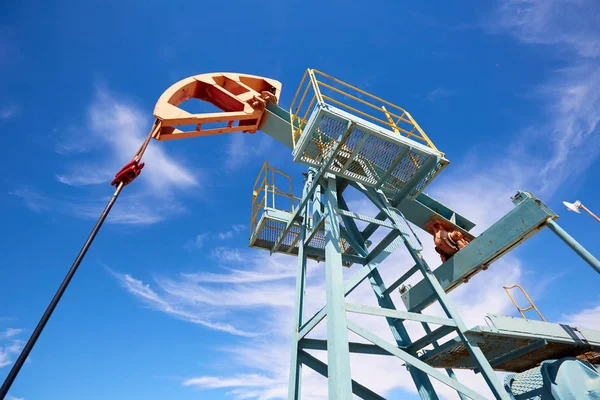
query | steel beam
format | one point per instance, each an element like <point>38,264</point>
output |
<point>506,234</point>
<point>430,338</point>
<point>421,380</point>
<point>403,315</point>
<point>338,355</point>
<point>423,209</point>
<point>295,378</point>
<point>359,348</point>
<point>574,244</point>
<point>447,305</point>
<point>414,361</point>
<point>402,279</point>
<point>319,366</point>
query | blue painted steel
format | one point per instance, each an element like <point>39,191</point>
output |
<point>447,305</point>
<point>449,371</point>
<point>402,279</point>
<point>510,231</point>
<point>564,379</point>
<point>338,354</point>
<point>319,366</point>
<point>276,123</point>
<point>422,210</point>
<point>354,347</point>
<point>513,344</point>
<point>421,380</point>
<point>320,174</point>
<point>415,362</point>
<point>393,166</point>
<point>574,244</point>
<point>430,338</point>
<point>506,235</point>
<point>440,209</point>
<point>294,389</point>
<point>404,315</point>
<point>423,171</point>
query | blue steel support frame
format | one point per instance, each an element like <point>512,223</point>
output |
<point>294,389</point>
<point>422,381</point>
<point>338,348</point>
<point>529,216</point>
<point>447,305</point>
<point>338,353</point>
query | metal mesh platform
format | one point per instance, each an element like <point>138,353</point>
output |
<point>515,345</point>
<point>367,153</point>
<point>272,224</point>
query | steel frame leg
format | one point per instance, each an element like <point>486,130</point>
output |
<point>295,384</point>
<point>447,305</point>
<point>422,382</point>
<point>338,353</point>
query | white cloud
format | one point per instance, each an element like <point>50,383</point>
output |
<point>170,306</point>
<point>10,346</point>
<point>227,255</point>
<point>238,227</point>
<point>570,26</point>
<point>198,241</point>
<point>10,332</point>
<point>586,318</point>
<point>115,129</point>
<point>572,93</point>
<point>9,397</point>
<point>33,199</point>
<point>132,210</point>
<point>225,235</point>
<point>439,93</point>
<point>242,148</point>
<point>84,176</point>
<point>210,382</point>
<point>9,111</point>
<point>124,127</point>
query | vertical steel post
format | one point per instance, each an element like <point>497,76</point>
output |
<point>294,390</point>
<point>574,244</point>
<point>338,354</point>
<point>317,207</point>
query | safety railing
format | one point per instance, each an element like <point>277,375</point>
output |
<point>265,193</point>
<point>319,88</point>
<point>523,309</point>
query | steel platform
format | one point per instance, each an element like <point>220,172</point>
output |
<point>515,344</point>
<point>358,150</point>
<point>272,223</point>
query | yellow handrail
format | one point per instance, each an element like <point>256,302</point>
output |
<point>264,187</point>
<point>521,310</point>
<point>346,95</point>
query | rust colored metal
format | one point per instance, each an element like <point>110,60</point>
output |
<point>591,356</point>
<point>242,99</point>
<point>448,241</point>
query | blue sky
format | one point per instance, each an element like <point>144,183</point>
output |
<point>170,302</point>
